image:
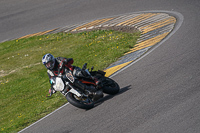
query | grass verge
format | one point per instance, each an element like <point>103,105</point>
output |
<point>24,81</point>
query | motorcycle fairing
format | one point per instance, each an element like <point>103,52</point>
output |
<point>70,76</point>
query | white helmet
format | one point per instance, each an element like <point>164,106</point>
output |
<point>48,61</point>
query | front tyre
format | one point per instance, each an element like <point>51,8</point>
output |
<point>83,103</point>
<point>110,86</point>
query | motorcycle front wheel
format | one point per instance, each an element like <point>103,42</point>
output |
<point>83,103</point>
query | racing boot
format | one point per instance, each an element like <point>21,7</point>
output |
<point>92,89</point>
<point>98,83</point>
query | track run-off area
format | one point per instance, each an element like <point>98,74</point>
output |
<point>154,27</point>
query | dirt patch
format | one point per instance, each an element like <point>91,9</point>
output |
<point>4,73</point>
<point>127,29</point>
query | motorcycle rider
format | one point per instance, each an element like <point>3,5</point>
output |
<point>58,65</point>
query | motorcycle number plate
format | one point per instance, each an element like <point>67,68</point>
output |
<point>70,77</point>
<point>59,85</point>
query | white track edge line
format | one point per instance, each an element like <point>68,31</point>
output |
<point>43,118</point>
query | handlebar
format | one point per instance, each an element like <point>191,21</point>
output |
<point>84,66</point>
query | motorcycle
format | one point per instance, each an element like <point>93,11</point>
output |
<point>84,99</point>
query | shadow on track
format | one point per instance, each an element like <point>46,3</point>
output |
<point>107,97</point>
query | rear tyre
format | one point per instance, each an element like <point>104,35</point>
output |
<point>83,103</point>
<point>110,86</point>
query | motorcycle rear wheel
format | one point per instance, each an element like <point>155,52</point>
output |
<point>110,86</point>
<point>85,103</point>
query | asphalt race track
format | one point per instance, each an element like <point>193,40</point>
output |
<point>160,92</point>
